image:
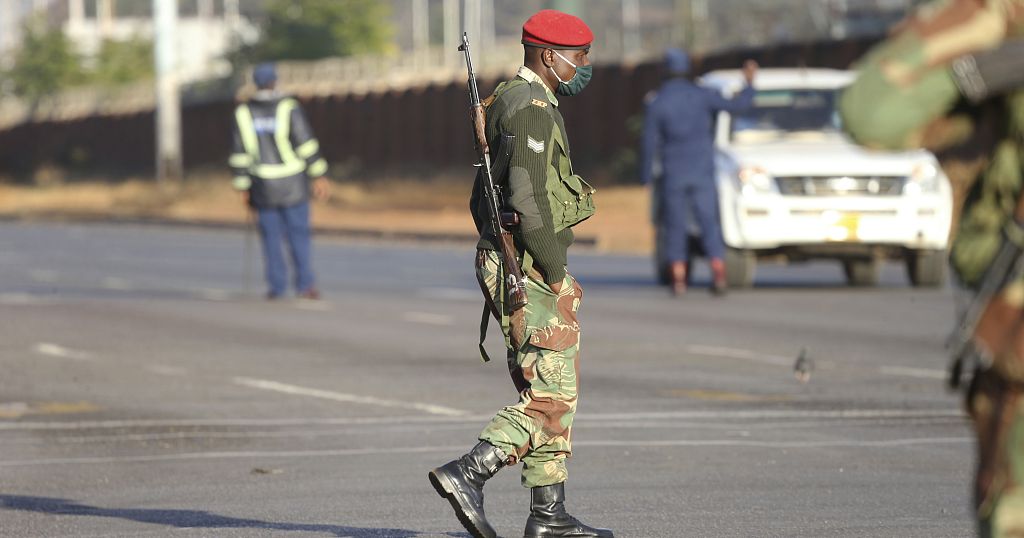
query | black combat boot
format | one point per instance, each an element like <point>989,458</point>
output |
<point>461,481</point>
<point>548,518</point>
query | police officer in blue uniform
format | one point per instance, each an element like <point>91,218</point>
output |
<point>678,131</point>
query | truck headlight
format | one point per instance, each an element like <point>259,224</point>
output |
<point>923,178</point>
<point>755,179</point>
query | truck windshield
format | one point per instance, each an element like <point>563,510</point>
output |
<point>787,113</point>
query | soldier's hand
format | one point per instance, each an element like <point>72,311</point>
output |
<point>556,287</point>
<point>750,68</point>
<point>321,188</point>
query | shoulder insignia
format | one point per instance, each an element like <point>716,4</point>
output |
<point>536,145</point>
<point>538,102</point>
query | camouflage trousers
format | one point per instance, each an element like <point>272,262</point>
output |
<point>543,359</point>
<point>997,412</point>
<point>995,403</point>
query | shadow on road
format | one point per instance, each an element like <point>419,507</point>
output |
<point>191,519</point>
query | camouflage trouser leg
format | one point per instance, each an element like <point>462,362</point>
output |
<point>997,411</point>
<point>544,364</point>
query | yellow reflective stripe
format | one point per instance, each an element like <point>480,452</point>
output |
<point>284,127</point>
<point>278,171</point>
<point>241,183</point>
<point>318,168</point>
<point>308,149</point>
<point>290,164</point>
<point>243,116</point>
<point>240,160</point>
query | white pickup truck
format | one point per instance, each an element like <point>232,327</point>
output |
<point>792,186</point>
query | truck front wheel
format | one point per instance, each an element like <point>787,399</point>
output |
<point>862,272</point>
<point>740,267</point>
<point>927,268</point>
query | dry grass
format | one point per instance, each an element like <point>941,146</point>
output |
<point>621,224</point>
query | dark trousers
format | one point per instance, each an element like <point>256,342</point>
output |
<point>278,224</point>
<point>680,198</point>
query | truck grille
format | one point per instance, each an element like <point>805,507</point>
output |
<point>841,185</point>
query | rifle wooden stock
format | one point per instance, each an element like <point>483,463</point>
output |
<point>516,283</point>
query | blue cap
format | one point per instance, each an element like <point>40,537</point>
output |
<point>264,74</point>
<point>677,61</point>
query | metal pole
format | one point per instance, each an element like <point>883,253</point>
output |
<point>630,28</point>
<point>168,106</point>
<point>452,30</point>
<point>487,23</point>
<point>420,30</point>
<point>472,18</point>
<point>105,17</point>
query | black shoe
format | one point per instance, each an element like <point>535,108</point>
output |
<point>461,481</point>
<point>548,518</point>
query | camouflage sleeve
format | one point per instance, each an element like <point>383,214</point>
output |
<point>905,87</point>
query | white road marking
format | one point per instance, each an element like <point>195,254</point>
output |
<point>343,397</point>
<point>211,294</point>
<point>582,418</point>
<point>315,306</point>
<point>427,318</point>
<point>167,370</point>
<point>712,351</point>
<point>115,283</point>
<point>21,299</point>
<point>924,373</point>
<point>44,275</point>
<point>54,350</point>
<point>13,409</point>
<point>374,451</point>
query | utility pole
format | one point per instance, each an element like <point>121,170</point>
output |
<point>420,31</point>
<point>630,29</point>
<point>487,30</point>
<point>472,18</point>
<point>168,106</point>
<point>452,30</point>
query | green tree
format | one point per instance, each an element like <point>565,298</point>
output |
<point>46,62</point>
<point>314,29</point>
<point>120,62</point>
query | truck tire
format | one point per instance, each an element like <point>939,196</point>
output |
<point>927,268</point>
<point>862,272</point>
<point>740,267</point>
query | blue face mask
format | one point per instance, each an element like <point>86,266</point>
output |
<point>578,81</point>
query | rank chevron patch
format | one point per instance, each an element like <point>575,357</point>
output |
<point>536,145</point>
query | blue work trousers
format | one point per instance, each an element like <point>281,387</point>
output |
<point>679,199</point>
<point>292,224</point>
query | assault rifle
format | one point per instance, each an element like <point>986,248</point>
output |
<point>980,76</point>
<point>1007,267</point>
<point>514,279</point>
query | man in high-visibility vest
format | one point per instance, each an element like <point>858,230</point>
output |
<point>277,166</point>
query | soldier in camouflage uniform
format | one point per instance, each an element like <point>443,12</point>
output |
<point>543,338</point>
<point>951,79</point>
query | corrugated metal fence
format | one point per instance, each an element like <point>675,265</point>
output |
<point>402,132</point>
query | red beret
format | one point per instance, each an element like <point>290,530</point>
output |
<point>553,29</point>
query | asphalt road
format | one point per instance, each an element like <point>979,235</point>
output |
<point>144,391</point>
